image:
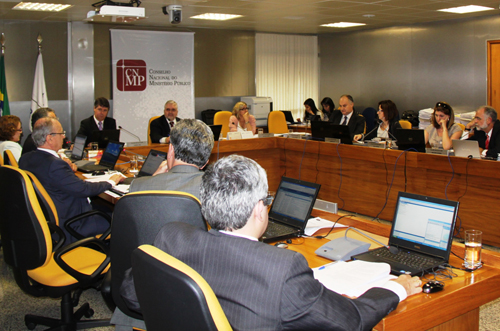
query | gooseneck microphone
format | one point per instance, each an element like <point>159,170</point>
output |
<point>392,249</point>
<point>130,133</point>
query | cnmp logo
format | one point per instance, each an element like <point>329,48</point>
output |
<point>131,75</point>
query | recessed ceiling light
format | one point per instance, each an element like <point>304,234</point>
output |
<point>38,6</point>
<point>369,15</point>
<point>216,17</point>
<point>466,9</point>
<point>342,25</point>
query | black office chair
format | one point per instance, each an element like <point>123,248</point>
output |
<point>41,266</point>
<point>370,115</point>
<point>9,158</point>
<point>172,293</point>
<point>137,219</point>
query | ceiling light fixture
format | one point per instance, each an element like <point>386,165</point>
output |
<point>37,6</point>
<point>466,9</point>
<point>342,25</point>
<point>215,17</point>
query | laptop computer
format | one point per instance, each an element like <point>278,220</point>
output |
<point>422,230</point>
<point>78,148</point>
<point>409,138</point>
<point>466,148</point>
<point>104,136</point>
<point>291,209</point>
<point>153,161</point>
<point>108,159</point>
<point>289,117</point>
<point>216,129</point>
<point>321,130</point>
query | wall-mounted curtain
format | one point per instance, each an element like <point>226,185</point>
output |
<point>287,70</point>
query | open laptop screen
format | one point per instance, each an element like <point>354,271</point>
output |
<point>294,201</point>
<point>78,147</point>
<point>425,223</point>
<point>111,154</point>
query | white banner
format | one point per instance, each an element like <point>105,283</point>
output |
<point>150,68</point>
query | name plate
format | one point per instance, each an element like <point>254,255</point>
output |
<point>375,144</point>
<point>438,151</point>
<point>266,135</point>
<point>332,140</point>
<point>246,134</point>
<point>233,135</point>
<point>295,135</point>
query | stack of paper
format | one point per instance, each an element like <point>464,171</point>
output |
<point>353,278</point>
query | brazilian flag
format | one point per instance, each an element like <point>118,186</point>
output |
<point>4,99</point>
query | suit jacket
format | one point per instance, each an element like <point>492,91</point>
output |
<point>393,126</point>
<point>356,123</point>
<point>68,192</point>
<point>261,287</point>
<point>160,128</point>
<point>88,125</point>
<point>494,146</point>
<point>29,144</point>
<point>182,178</point>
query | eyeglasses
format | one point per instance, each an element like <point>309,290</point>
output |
<point>170,109</point>
<point>53,133</point>
<point>244,108</point>
<point>443,105</point>
<point>20,130</point>
<point>268,200</point>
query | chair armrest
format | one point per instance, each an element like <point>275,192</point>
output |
<point>59,232</point>
<point>68,223</point>
<point>83,278</point>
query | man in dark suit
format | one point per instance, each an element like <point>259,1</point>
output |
<point>348,116</point>
<point>29,144</point>
<point>68,192</point>
<point>99,121</point>
<point>159,129</point>
<point>259,286</point>
<point>191,143</point>
<point>486,130</point>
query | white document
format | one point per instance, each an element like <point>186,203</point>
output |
<point>353,278</point>
<point>317,223</point>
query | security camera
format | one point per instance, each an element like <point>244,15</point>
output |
<point>174,12</point>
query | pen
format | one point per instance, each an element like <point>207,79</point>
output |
<point>326,265</point>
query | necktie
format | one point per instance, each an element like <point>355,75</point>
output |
<point>100,125</point>
<point>487,143</point>
<point>171,124</point>
<point>345,121</point>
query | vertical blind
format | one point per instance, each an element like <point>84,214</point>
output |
<point>287,70</point>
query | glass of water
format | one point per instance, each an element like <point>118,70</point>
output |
<point>473,245</point>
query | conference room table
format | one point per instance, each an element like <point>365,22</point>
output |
<point>367,180</point>
<point>454,308</point>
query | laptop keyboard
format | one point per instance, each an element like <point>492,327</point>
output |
<point>412,260</point>
<point>275,230</point>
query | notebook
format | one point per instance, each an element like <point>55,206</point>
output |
<point>422,230</point>
<point>289,117</point>
<point>409,138</point>
<point>466,148</point>
<point>108,159</point>
<point>216,129</point>
<point>321,130</point>
<point>78,148</point>
<point>105,136</point>
<point>153,161</point>
<point>291,209</point>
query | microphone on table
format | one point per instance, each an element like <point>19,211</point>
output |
<point>377,123</point>
<point>392,249</point>
<point>137,137</point>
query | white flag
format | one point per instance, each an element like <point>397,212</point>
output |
<point>39,95</point>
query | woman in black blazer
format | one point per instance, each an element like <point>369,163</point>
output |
<point>387,115</point>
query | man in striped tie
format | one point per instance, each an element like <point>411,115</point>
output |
<point>99,121</point>
<point>159,129</point>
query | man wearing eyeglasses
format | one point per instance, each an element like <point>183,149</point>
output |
<point>259,286</point>
<point>159,129</point>
<point>69,193</point>
<point>486,130</point>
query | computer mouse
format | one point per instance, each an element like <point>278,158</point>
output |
<point>281,245</point>
<point>432,286</point>
<point>98,173</point>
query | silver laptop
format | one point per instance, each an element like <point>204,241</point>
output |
<point>466,148</point>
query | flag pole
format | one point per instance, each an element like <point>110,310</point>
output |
<point>2,41</point>
<point>39,39</point>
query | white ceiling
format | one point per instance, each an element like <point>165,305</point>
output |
<point>281,16</point>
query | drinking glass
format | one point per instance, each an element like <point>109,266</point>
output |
<point>473,245</point>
